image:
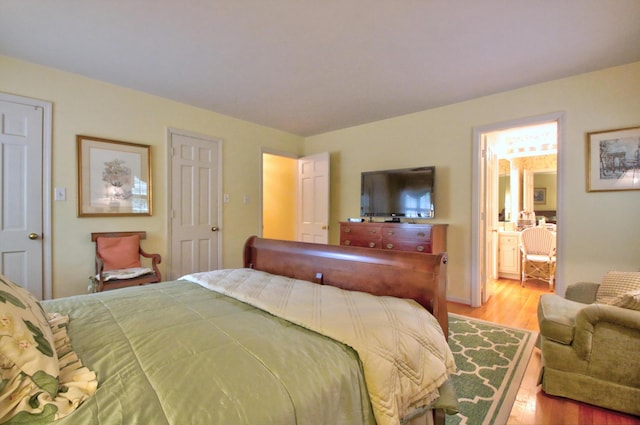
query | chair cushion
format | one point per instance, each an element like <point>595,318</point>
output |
<point>556,317</point>
<point>616,284</point>
<point>539,258</point>
<point>630,300</point>
<point>119,252</point>
<point>125,273</point>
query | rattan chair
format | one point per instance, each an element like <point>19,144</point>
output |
<point>538,246</point>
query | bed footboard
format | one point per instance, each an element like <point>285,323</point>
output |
<point>418,276</point>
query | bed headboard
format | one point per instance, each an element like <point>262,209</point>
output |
<point>422,277</point>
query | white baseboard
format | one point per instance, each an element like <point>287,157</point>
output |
<point>459,300</point>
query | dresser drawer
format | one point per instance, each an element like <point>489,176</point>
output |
<point>416,234</point>
<point>361,235</point>
<point>407,245</point>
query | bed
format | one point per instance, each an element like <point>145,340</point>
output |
<point>303,334</point>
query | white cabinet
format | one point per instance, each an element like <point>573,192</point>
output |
<point>509,255</point>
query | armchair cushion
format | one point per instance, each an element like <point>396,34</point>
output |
<point>125,273</point>
<point>119,252</point>
<point>616,284</point>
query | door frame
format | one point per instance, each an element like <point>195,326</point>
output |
<point>47,246</point>
<point>218,142</point>
<point>479,226</point>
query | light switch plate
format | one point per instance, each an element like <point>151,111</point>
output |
<point>60,194</point>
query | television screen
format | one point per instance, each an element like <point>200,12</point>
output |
<point>398,193</point>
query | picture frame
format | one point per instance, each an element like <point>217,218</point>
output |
<point>613,160</point>
<point>114,178</point>
<point>540,195</point>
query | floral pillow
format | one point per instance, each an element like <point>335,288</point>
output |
<point>29,363</point>
<point>41,377</point>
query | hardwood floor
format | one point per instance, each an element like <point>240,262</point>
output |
<point>516,306</point>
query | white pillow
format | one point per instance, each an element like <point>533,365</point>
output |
<point>630,300</point>
<point>615,284</point>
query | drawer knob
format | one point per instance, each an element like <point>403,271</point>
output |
<point>389,246</point>
<point>347,242</point>
<point>421,234</point>
<point>420,248</point>
<point>391,232</point>
<point>347,230</point>
<point>372,244</point>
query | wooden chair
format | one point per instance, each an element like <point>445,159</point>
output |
<point>118,257</point>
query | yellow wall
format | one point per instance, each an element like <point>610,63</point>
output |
<point>279,197</point>
<point>90,107</point>
<point>600,231</point>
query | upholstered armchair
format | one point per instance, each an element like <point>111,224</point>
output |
<point>590,342</point>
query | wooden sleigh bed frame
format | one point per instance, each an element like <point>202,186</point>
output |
<point>418,276</point>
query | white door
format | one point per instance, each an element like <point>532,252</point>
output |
<point>195,217</point>
<point>21,200</point>
<point>313,198</point>
<point>491,221</point>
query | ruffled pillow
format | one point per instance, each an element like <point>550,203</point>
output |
<point>41,379</point>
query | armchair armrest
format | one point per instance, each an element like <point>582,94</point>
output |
<point>597,314</point>
<point>155,260</point>
<point>582,292</point>
<point>99,265</point>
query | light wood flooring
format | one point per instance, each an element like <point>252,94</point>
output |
<point>516,306</point>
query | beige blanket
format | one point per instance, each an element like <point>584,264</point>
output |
<point>404,354</point>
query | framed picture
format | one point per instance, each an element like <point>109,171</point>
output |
<point>114,178</point>
<point>540,195</point>
<point>613,160</point>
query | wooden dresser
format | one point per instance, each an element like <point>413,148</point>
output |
<point>428,238</point>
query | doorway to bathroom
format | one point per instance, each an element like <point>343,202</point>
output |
<point>527,151</point>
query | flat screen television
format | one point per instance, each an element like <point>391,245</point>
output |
<point>405,192</point>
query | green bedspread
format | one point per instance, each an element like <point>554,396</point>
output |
<point>177,353</point>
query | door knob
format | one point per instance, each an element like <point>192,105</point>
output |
<point>214,229</point>
<point>33,236</point>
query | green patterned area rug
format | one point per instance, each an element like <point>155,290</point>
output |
<point>491,361</point>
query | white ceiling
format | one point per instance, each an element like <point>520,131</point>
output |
<point>312,66</point>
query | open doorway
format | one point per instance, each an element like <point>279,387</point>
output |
<point>530,147</point>
<point>279,196</point>
<point>295,197</point>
